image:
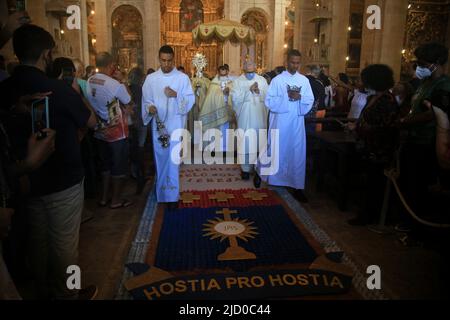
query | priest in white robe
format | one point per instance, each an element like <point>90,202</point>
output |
<point>167,94</point>
<point>216,111</point>
<point>248,96</point>
<point>289,99</point>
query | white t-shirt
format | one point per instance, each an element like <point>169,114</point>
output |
<point>101,90</point>
<point>358,104</point>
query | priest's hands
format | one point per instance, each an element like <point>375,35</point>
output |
<point>254,88</point>
<point>226,91</point>
<point>152,110</point>
<point>294,95</point>
<point>170,93</point>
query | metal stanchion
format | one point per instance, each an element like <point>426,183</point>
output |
<point>381,228</point>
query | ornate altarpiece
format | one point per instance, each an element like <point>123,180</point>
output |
<point>178,18</point>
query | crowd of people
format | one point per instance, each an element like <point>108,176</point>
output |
<point>62,125</point>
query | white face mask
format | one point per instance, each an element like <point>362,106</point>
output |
<point>423,73</point>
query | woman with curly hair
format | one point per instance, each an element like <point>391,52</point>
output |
<point>378,135</point>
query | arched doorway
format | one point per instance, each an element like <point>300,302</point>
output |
<point>258,52</point>
<point>127,41</point>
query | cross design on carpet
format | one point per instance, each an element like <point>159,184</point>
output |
<point>189,198</point>
<point>231,229</point>
<point>221,196</point>
<point>255,196</point>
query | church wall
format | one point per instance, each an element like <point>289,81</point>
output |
<point>70,44</point>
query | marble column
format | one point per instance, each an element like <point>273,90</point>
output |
<point>339,36</point>
<point>152,33</point>
<point>232,53</point>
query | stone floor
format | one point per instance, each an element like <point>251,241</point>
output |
<point>407,273</point>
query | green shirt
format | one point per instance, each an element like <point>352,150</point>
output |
<point>432,90</point>
<point>83,85</point>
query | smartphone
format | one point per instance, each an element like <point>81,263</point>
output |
<point>40,118</point>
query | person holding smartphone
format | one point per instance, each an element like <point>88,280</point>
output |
<point>56,196</point>
<point>288,99</point>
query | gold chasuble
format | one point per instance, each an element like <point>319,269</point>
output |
<point>217,108</point>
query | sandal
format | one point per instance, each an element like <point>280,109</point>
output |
<point>123,204</point>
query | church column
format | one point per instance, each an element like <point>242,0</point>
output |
<point>339,36</point>
<point>371,39</point>
<point>279,19</point>
<point>385,45</point>
<point>232,53</point>
<point>84,54</point>
<point>393,29</point>
<point>101,26</point>
<point>152,33</point>
<point>304,31</point>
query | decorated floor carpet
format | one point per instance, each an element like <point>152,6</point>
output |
<point>234,243</point>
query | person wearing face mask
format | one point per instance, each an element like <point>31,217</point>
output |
<point>248,95</point>
<point>216,112</point>
<point>419,164</point>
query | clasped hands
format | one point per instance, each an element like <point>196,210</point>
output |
<point>170,93</point>
<point>254,88</point>
<point>294,95</point>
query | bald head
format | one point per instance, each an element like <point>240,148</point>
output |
<point>249,66</point>
<point>315,70</point>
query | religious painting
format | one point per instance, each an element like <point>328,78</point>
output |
<point>191,14</point>
<point>127,37</point>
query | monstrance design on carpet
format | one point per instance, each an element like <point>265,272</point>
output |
<point>232,244</point>
<point>231,229</point>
